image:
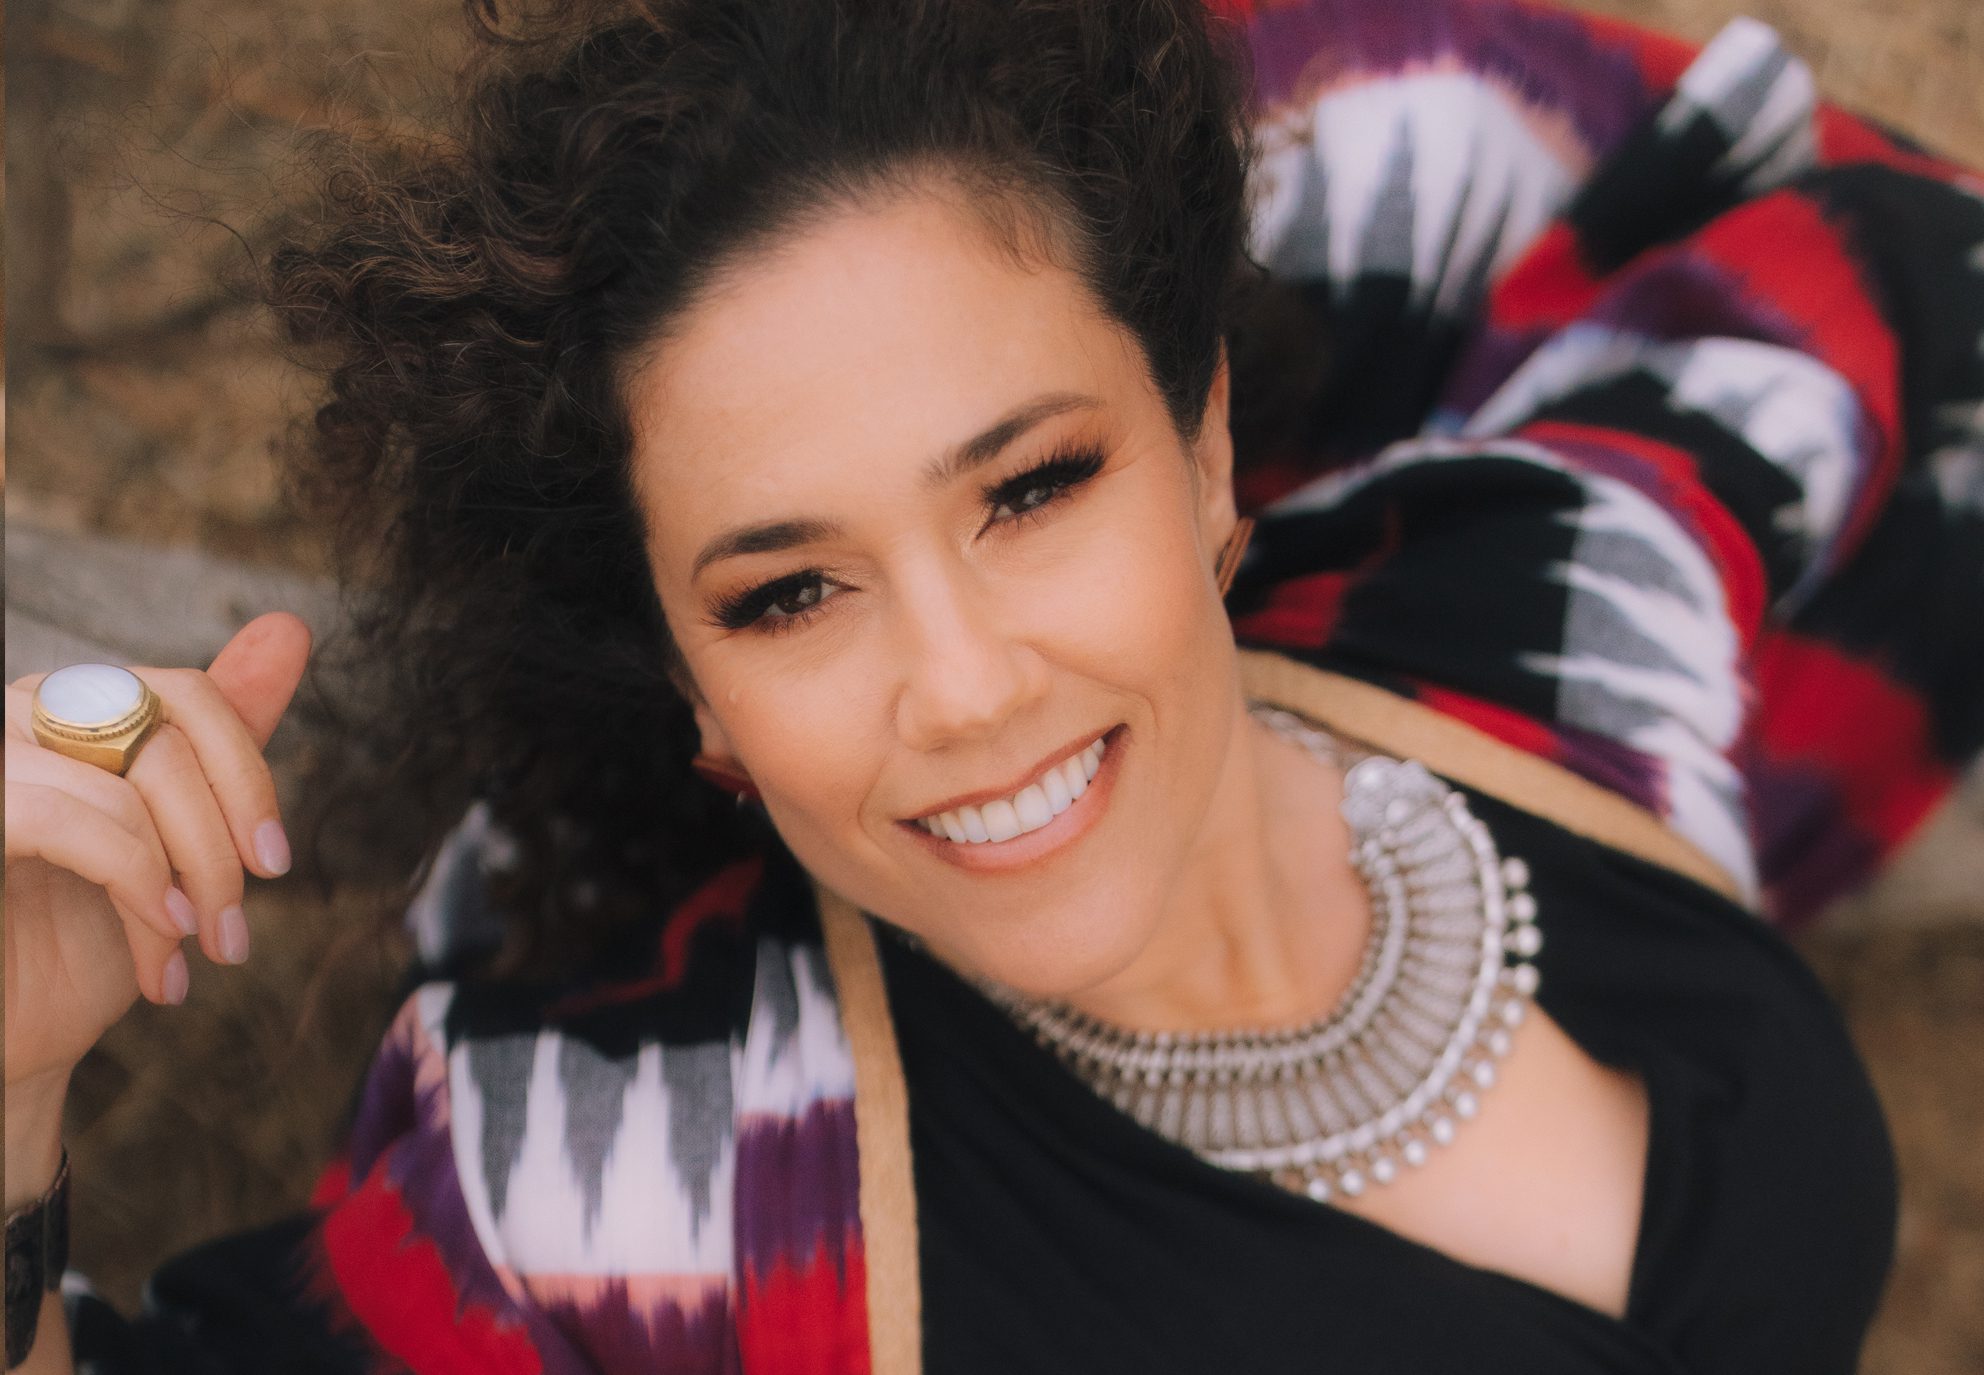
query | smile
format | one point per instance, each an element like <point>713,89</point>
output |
<point>1061,804</point>
<point>1039,802</point>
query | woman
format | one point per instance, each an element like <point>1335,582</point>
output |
<point>857,407</point>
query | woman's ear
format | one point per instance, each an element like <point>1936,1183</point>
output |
<point>714,743</point>
<point>1212,452</point>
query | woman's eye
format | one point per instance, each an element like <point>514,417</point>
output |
<point>778,605</point>
<point>1035,496</point>
<point>796,602</point>
<point>1042,485</point>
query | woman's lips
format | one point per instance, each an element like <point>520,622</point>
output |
<point>1024,848</point>
<point>1008,792</point>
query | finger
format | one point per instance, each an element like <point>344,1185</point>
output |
<point>47,823</point>
<point>231,759</point>
<point>258,670</point>
<point>117,799</point>
<point>167,773</point>
<point>20,705</point>
<point>173,978</point>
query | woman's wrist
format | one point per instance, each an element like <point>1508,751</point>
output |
<point>52,1353</point>
<point>34,1160</point>
<point>34,1136</point>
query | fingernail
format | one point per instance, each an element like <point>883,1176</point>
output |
<point>175,978</point>
<point>272,847</point>
<point>180,908</point>
<point>233,935</point>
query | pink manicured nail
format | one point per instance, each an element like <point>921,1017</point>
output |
<point>176,978</point>
<point>233,935</point>
<point>272,847</point>
<point>180,908</point>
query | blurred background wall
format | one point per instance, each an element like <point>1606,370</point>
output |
<point>146,139</point>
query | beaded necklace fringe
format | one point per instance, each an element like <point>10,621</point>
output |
<point>1390,1071</point>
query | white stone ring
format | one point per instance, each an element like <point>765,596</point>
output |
<point>98,713</point>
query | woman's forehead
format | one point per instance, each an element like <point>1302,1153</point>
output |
<point>875,337</point>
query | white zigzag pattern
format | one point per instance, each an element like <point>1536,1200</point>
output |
<point>1774,140</point>
<point>1792,409</point>
<point>1474,154</point>
<point>787,1073</point>
<point>1686,717</point>
<point>1957,467</point>
<point>647,1223</point>
<point>1685,720</point>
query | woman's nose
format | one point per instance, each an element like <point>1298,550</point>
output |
<point>966,674</point>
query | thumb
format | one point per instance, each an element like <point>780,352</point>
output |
<point>258,670</point>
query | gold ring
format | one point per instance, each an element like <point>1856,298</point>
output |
<point>98,713</point>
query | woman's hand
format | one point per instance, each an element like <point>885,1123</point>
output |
<point>107,875</point>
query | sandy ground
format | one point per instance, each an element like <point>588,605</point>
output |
<point>144,400</point>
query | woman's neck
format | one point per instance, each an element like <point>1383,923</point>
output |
<point>1268,922</point>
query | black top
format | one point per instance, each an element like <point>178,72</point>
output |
<point>1059,1234</point>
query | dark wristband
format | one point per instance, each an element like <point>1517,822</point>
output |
<point>37,1254</point>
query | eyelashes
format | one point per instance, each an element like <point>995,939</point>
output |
<point>786,603</point>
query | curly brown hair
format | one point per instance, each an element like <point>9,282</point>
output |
<point>475,300</point>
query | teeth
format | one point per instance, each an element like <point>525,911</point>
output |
<point>1031,804</point>
<point>1075,776</point>
<point>1027,810</point>
<point>1056,785</point>
<point>1001,820</point>
<point>974,825</point>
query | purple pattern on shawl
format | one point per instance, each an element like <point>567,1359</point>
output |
<point>798,1188</point>
<point>1552,58</point>
<point>1674,295</point>
<point>626,1338</point>
<point>1488,361</point>
<point>387,1109</point>
<point>1614,765</point>
<point>420,1166</point>
<point>1808,850</point>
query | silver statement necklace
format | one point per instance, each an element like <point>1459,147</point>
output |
<point>1336,1105</point>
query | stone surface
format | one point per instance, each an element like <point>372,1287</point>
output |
<point>149,605</point>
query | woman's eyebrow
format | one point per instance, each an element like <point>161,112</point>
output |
<point>772,536</point>
<point>982,448</point>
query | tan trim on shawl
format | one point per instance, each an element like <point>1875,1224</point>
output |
<point>881,1136</point>
<point>1411,730</point>
<point>1357,710</point>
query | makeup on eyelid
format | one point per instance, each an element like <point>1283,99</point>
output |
<point>1061,473</point>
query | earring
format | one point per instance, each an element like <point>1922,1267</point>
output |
<point>1231,552</point>
<point>723,776</point>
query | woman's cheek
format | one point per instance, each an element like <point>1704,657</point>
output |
<point>1148,598</point>
<point>821,733</point>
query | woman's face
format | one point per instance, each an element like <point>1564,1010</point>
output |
<point>891,609</point>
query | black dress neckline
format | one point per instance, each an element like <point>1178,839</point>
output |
<point>1032,1187</point>
<point>1063,1092</point>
